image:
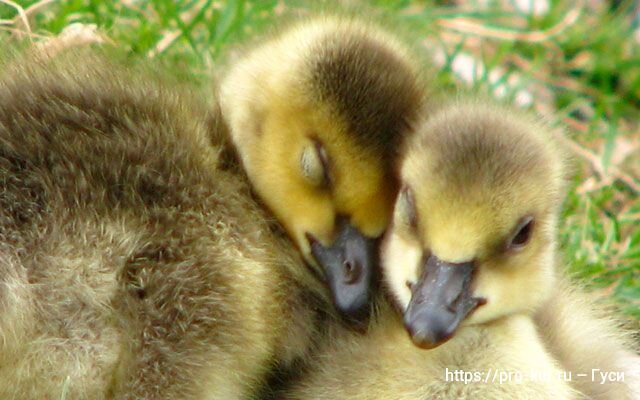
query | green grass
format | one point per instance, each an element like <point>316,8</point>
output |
<point>580,67</point>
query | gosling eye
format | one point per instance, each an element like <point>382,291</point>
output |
<point>405,209</point>
<point>522,234</point>
<point>314,164</point>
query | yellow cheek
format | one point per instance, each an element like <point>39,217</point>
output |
<point>306,214</point>
<point>517,288</point>
<point>373,217</point>
<point>299,208</point>
<point>400,264</point>
<point>366,198</point>
<point>372,222</point>
<point>490,285</point>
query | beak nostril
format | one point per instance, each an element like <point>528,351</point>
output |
<point>452,304</point>
<point>352,271</point>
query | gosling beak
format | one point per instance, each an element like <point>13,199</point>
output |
<point>440,301</point>
<point>350,267</point>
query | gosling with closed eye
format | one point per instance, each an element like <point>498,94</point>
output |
<point>137,263</point>
<point>470,261</point>
<point>322,110</point>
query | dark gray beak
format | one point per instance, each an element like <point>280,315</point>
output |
<point>350,266</point>
<point>440,301</point>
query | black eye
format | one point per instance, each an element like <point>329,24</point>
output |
<point>522,234</point>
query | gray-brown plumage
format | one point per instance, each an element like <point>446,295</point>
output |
<point>134,263</point>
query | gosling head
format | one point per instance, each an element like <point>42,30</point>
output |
<point>317,115</point>
<point>472,239</point>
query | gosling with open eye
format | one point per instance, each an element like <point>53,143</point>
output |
<point>470,264</point>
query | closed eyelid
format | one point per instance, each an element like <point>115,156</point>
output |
<point>312,166</point>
